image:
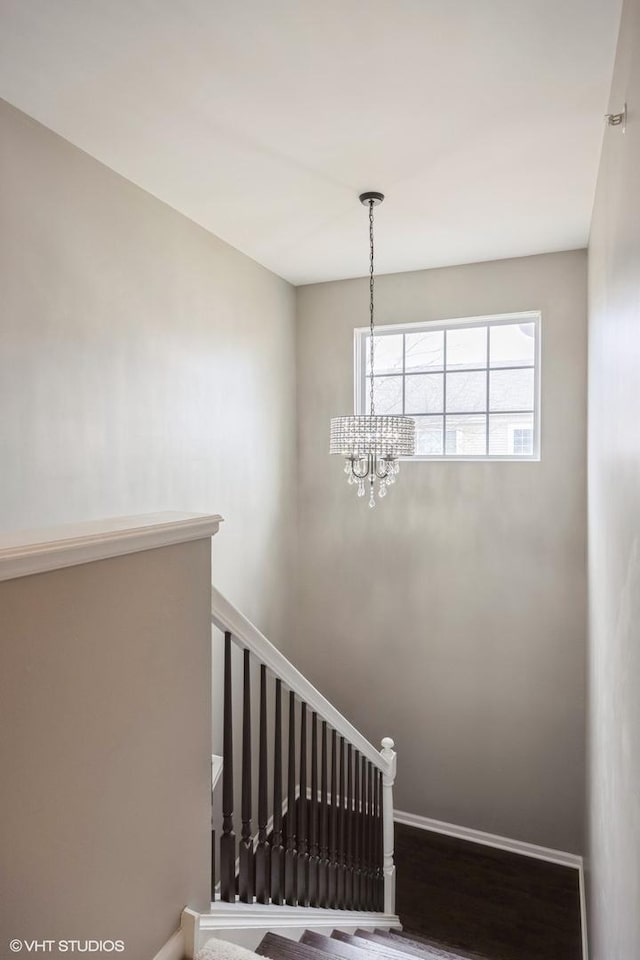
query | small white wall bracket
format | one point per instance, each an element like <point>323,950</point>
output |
<point>617,119</point>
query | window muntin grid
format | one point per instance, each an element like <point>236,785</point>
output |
<point>469,384</point>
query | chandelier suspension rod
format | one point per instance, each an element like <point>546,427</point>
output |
<point>371,285</point>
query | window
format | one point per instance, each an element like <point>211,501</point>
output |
<point>471,385</point>
<point>522,441</point>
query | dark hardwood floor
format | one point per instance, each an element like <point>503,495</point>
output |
<point>498,905</point>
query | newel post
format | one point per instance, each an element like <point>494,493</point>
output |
<point>388,779</point>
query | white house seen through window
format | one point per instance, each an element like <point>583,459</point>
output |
<point>471,385</point>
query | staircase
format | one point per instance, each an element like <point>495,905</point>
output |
<point>302,827</point>
<point>312,872</point>
<point>324,836</point>
<point>379,945</point>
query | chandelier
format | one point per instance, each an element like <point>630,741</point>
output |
<point>372,445</point>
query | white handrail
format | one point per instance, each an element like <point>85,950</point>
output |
<point>227,618</point>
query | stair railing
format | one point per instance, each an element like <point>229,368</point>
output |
<point>329,839</point>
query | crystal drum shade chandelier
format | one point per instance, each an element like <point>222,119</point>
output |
<point>371,445</point>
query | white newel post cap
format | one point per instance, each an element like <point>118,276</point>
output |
<point>388,753</point>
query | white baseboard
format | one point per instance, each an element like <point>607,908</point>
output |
<point>583,914</point>
<point>190,929</point>
<point>489,839</point>
<point>173,948</point>
<point>560,857</point>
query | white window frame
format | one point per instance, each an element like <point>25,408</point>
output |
<point>492,320</point>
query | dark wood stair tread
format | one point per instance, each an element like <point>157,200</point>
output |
<point>443,951</point>
<point>333,947</point>
<point>281,948</point>
<point>403,946</point>
<point>372,946</point>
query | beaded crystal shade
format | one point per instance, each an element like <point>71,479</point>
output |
<point>389,437</point>
<point>371,445</point>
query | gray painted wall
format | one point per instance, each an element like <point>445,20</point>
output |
<point>613,783</point>
<point>452,617</point>
<point>144,366</point>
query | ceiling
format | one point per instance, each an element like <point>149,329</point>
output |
<point>262,120</point>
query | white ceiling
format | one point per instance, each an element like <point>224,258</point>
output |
<point>262,120</point>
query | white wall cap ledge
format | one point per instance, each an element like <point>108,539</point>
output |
<point>26,552</point>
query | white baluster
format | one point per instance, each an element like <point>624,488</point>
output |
<point>388,779</point>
